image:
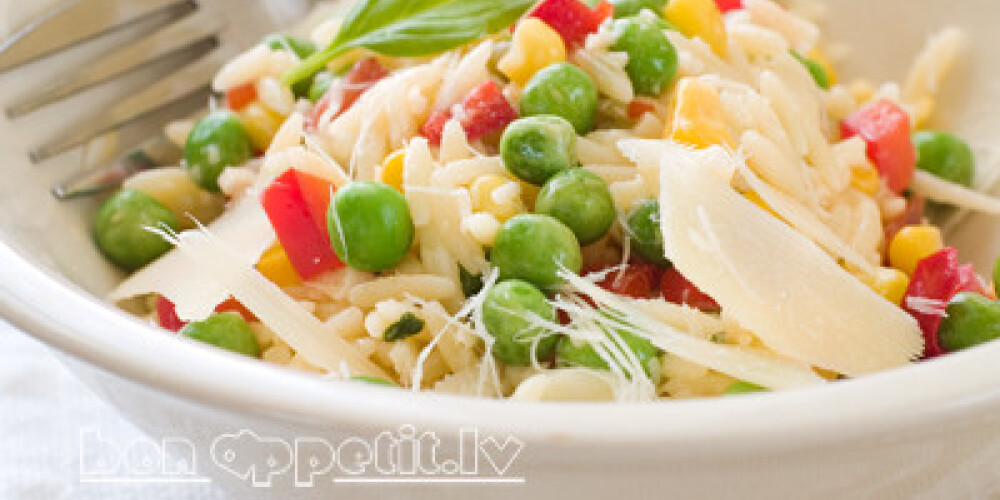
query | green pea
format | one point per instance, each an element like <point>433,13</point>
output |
<point>946,156</point>
<point>302,49</point>
<point>370,226</point>
<point>320,85</point>
<point>368,379</point>
<point>562,90</point>
<point>581,200</point>
<point>643,227</point>
<point>972,319</point>
<point>120,228</point>
<point>652,59</point>
<point>815,69</point>
<point>538,147</point>
<point>507,313</point>
<point>572,353</point>
<point>534,248</point>
<point>217,142</point>
<point>226,330</point>
<point>741,387</point>
<point>629,8</point>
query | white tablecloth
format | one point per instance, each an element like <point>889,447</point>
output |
<point>43,411</point>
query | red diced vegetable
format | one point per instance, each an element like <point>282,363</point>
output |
<point>637,280</point>
<point>638,107</point>
<point>239,97</point>
<point>885,128</point>
<point>166,314</point>
<point>573,20</point>
<point>678,290</point>
<point>938,278</point>
<point>484,111</point>
<point>363,76</point>
<point>291,212</point>
<point>316,193</point>
<point>233,305</point>
<point>728,5</point>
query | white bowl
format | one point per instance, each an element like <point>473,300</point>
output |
<point>928,430</point>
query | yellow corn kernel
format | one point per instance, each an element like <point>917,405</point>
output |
<point>276,267</point>
<point>261,123</point>
<point>698,118</point>
<point>698,18</point>
<point>824,61</point>
<point>865,178</point>
<point>889,283</point>
<point>534,46</point>
<point>497,196</point>
<point>392,170</point>
<point>911,244</point>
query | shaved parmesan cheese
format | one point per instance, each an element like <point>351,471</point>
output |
<point>938,189</point>
<point>244,228</point>
<point>312,341</point>
<point>781,286</point>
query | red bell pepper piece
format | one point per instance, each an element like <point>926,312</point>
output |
<point>678,290</point>
<point>233,305</point>
<point>240,96</point>
<point>728,5</point>
<point>637,280</point>
<point>938,277</point>
<point>296,204</point>
<point>363,75</point>
<point>166,314</point>
<point>885,128</point>
<point>573,20</point>
<point>484,111</point>
<point>639,107</point>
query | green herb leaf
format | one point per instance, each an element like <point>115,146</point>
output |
<point>413,28</point>
<point>471,283</point>
<point>407,325</point>
<point>373,380</point>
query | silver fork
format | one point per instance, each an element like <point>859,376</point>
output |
<point>201,35</point>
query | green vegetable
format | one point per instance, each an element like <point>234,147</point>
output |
<point>562,90</point>
<point>652,59</point>
<point>120,228</point>
<point>629,8</point>
<point>471,283</point>
<point>368,379</point>
<point>996,278</point>
<point>815,69</point>
<point>581,200</point>
<point>741,387</point>
<point>301,48</point>
<point>320,85</point>
<point>391,27</point>
<point>226,330</point>
<point>534,248</point>
<point>407,325</point>
<point>370,226</point>
<point>643,227</point>
<point>538,147</point>
<point>571,353</point>
<point>971,320</point>
<point>507,315</point>
<point>217,142</point>
<point>946,156</point>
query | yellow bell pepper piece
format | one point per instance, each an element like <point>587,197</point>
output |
<point>889,283</point>
<point>911,245</point>
<point>392,170</point>
<point>276,267</point>
<point>698,118</point>
<point>534,46</point>
<point>698,19</point>
<point>261,123</point>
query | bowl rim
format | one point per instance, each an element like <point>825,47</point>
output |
<point>61,314</point>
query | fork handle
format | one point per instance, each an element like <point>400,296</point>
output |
<point>155,152</point>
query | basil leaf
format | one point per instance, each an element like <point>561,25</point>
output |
<point>407,325</point>
<point>471,283</point>
<point>412,28</point>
